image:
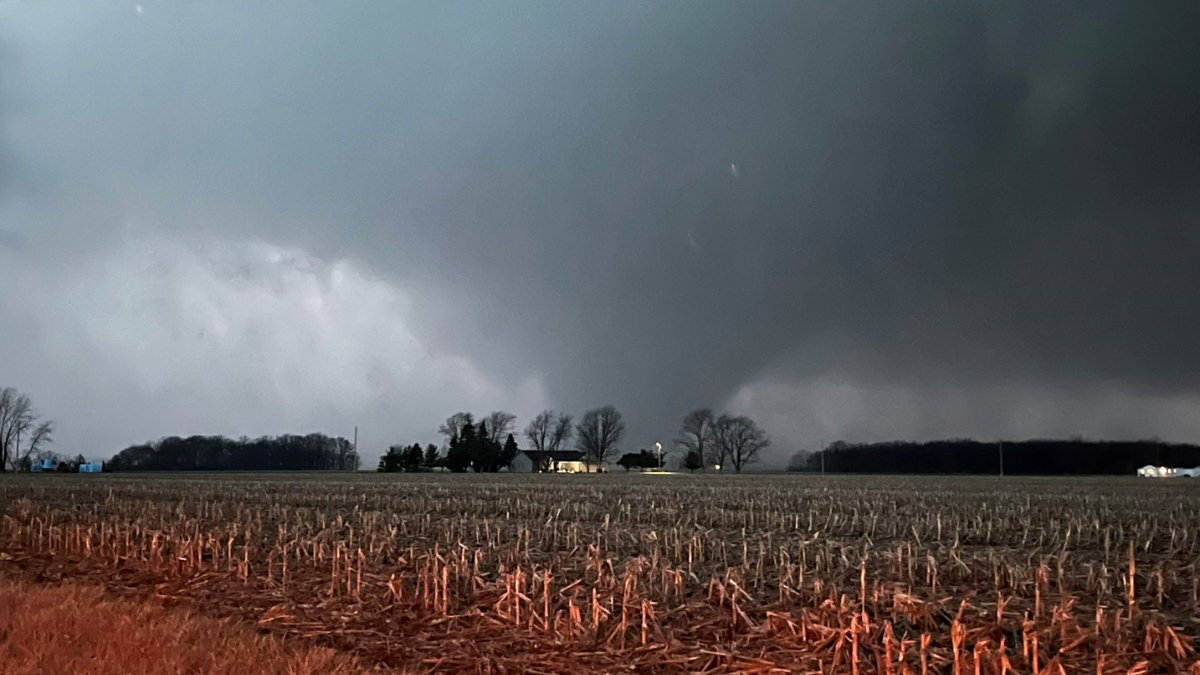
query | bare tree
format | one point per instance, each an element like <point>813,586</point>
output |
<point>562,431</point>
<point>16,416</point>
<point>35,448</point>
<point>696,435</point>
<point>18,420</point>
<point>537,432</point>
<point>7,394</point>
<point>455,423</point>
<point>599,433</point>
<point>499,424</point>
<point>739,440</point>
<point>548,430</point>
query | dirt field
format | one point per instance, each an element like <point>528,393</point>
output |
<point>653,573</point>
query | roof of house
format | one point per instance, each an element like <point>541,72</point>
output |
<point>556,455</point>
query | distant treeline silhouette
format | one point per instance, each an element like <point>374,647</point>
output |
<point>312,452</point>
<point>1032,457</point>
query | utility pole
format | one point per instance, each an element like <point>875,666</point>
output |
<point>1001,458</point>
<point>356,439</point>
<point>822,458</point>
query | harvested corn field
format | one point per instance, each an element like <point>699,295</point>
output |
<point>76,630</point>
<point>653,573</point>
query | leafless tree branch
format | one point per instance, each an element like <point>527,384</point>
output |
<point>696,435</point>
<point>499,424</point>
<point>599,433</point>
<point>455,423</point>
<point>19,420</point>
<point>739,440</point>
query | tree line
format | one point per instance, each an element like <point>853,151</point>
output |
<point>473,448</point>
<point>311,452</point>
<point>1030,457</point>
<point>483,444</point>
<point>471,443</point>
<point>487,443</point>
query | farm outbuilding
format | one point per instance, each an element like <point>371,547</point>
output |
<point>43,465</point>
<point>54,466</point>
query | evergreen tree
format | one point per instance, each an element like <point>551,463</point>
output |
<point>412,458</point>
<point>467,435</point>
<point>392,460</point>
<point>486,453</point>
<point>431,460</point>
<point>508,453</point>
<point>628,461</point>
<point>693,460</point>
<point>642,459</point>
<point>458,457</point>
<point>491,455</point>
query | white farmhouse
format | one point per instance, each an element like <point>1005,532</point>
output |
<point>554,461</point>
<point>1151,471</point>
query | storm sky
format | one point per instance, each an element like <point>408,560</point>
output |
<point>855,221</point>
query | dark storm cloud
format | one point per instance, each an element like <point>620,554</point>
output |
<point>660,204</point>
<point>1020,206</point>
<point>923,194</point>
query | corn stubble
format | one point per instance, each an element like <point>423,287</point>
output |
<point>76,630</point>
<point>554,574</point>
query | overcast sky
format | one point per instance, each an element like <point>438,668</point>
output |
<point>855,221</point>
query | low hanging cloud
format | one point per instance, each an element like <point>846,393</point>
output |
<point>187,335</point>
